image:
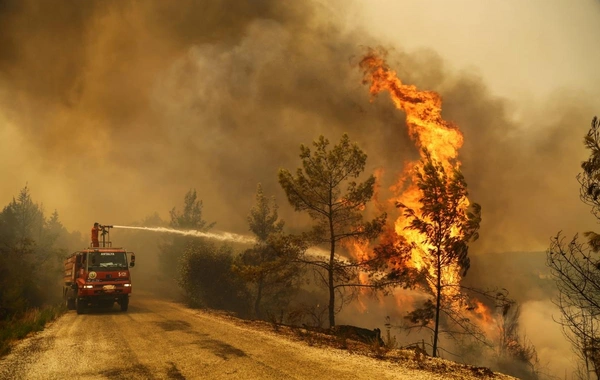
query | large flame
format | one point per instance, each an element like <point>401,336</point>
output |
<point>442,140</point>
<point>428,130</point>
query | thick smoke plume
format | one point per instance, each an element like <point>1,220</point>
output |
<point>112,110</point>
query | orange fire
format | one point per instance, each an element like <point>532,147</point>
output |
<point>484,318</point>
<point>361,252</point>
<point>483,312</point>
<point>428,130</point>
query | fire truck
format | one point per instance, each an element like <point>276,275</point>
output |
<point>98,275</point>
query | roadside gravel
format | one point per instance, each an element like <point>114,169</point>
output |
<point>157,339</point>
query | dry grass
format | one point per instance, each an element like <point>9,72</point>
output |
<point>31,321</point>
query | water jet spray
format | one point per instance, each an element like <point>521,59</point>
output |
<point>222,236</point>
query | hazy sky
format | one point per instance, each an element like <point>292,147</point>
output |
<point>112,110</point>
<point>522,49</point>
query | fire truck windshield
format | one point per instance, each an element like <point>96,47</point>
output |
<point>105,261</point>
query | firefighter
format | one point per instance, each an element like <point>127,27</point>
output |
<point>95,230</point>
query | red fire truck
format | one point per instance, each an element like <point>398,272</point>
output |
<point>98,275</point>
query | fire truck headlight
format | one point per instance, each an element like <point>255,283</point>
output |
<point>88,286</point>
<point>128,285</point>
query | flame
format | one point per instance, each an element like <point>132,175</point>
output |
<point>423,110</point>
<point>442,139</point>
<point>361,252</point>
<point>485,318</point>
<point>378,174</point>
<point>428,130</point>
<point>483,312</point>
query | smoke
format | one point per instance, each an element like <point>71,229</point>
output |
<point>112,110</point>
<point>125,106</point>
<point>537,323</point>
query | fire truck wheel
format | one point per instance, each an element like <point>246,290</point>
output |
<point>79,306</point>
<point>70,303</point>
<point>124,304</point>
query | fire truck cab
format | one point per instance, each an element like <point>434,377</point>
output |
<point>98,276</point>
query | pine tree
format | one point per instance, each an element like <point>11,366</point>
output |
<point>270,265</point>
<point>326,188</point>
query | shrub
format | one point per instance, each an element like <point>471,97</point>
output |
<point>208,281</point>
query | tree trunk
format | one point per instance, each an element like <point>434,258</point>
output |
<point>330,270</point>
<point>259,286</point>
<point>438,301</point>
<point>331,288</point>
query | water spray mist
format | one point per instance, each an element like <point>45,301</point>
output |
<point>222,236</point>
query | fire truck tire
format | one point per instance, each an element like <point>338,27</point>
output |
<point>70,303</point>
<point>79,306</point>
<point>124,304</point>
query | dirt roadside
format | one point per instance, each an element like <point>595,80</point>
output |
<point>157,339</point>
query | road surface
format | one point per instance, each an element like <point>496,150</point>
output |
<point>157,339</point>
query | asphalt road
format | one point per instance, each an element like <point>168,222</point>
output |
<point>157,339</point>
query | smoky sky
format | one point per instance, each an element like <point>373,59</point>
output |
<point>112,110</point>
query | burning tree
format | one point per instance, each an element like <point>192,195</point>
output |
<point>575,266</point>
<point>445,226</point>
<point>270,265</point>
<point>317,188</point>
<point>436,224</point>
